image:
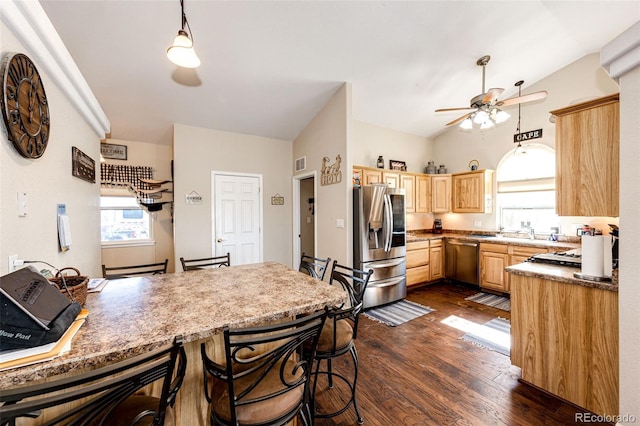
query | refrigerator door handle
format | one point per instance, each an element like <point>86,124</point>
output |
<point>388,222</point>
<point>385,264</point>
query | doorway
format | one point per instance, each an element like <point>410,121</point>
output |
<point>237,217</point>
<point>304,202</point>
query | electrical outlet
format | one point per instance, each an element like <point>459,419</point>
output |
<point>477,223</point>
<point>12,259</point>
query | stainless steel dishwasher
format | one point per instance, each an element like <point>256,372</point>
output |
<point>461,261</point>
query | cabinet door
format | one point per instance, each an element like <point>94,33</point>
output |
<point>587,158</point>
<point>473,192</point>
<point>467,193</point>
<point>423,194</point>
<point>436,262</point>
<point>371,176</point>
<point>492,265</point>
<point>392,179</point>
<point>441,194</point>
<point>408,182</point>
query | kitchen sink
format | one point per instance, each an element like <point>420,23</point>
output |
<point>480,236</point>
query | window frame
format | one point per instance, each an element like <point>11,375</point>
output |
<point>116,193</point>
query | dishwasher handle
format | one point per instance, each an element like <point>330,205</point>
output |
<point>460,243</point>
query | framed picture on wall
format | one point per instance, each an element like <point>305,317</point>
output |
<point>113,152</point>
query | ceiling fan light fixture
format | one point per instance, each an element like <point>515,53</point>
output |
<point>501,116</point>
<point>481,117</point>
<point>181,52</point>
<point>487,125</point>
<point>467,124</point>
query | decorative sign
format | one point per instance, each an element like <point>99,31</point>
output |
<point>82,166</point>
<point>193,198</point>
<point>113,151</point>
<point>331,173</point>
<point>531,134</point>
<point>398,165</point>
<point>277,200</point>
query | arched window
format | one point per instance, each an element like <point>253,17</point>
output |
<point>526,190</point>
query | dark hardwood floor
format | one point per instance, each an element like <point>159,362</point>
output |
<point>423,373</point>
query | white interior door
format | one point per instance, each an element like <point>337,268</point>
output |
<point>237,217</point>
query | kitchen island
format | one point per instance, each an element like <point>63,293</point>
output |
<point>136,315</point>
<point>564,335</point>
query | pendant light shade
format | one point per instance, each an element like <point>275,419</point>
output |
<point>181,52</point>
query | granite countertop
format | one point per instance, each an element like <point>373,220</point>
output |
<point>524,242</point>
<point>136,315</point>
<point>558,273</point>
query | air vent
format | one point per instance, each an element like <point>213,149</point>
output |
<point>301,164</point>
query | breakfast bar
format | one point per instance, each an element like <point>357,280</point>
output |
<point>136,315</point>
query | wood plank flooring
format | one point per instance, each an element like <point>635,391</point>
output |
<point>423,373</point>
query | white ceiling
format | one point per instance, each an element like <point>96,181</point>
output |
<point>269,66</point>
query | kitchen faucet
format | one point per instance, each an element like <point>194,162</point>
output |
<point>532,233</point>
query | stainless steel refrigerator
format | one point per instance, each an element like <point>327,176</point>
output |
<point>379,227</point>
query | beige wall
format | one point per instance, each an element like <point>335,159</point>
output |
<point>48,182</point>
<point>197,152</point>
<point>370,141</point>
<point>328,135</point>
<point>584,79</point>
<point>620,57</point>
<point>158,157</point>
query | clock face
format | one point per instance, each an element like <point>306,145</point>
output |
<point>24,106</point>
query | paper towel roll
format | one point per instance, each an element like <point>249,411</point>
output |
<point>607,256</point>
<point>593,255</point>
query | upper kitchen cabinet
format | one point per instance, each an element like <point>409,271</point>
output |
<point>587,158</point>
<point>473,192</point>
<point>370,176</point>
<point>423,194</point>
<point>441,193</point>
<point>392,179</point>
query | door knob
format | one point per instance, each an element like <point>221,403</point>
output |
<point>219,240</point>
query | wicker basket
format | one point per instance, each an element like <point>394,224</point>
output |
<point>76,285</point>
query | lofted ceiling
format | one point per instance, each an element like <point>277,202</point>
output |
<point>268,67</point>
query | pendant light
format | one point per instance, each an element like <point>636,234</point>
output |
<point>519,84</point>
<point>181,52</point>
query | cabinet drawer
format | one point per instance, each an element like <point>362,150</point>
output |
<point>418,275</point>
<point>417,245</point>
<point>494,248</point>
<point>435,243</point>
<point>527,251</point>
<point>417,258</point>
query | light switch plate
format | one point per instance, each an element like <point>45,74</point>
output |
<point>23,204</point>
<point>339,223</point>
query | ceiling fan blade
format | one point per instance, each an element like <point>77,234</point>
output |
<point>455,109</point>
<point>524,98</point>
<point>458,120</point>
<point>492,95</point>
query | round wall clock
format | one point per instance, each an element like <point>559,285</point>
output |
<point>25,110</point>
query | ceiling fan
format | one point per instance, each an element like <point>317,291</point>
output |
<point>485,107</point>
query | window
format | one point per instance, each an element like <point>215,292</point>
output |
<point>122,220</point>
<point>526,190</point>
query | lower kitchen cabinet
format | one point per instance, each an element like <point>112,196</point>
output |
<point>417,262</point>
<point>564,337</point>
<point>436,260</point>
<point>493,259</point>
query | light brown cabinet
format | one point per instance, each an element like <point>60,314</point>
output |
<point>587,158</point>
<point>436,260</point>
<point>417,186</point>
<point>423,194</point>
<point>564,337</point>
<point>472,192</point>
<point>441,193</point>
<point>408,182</point>
<point>494,258</point>
<point>417,262</point>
